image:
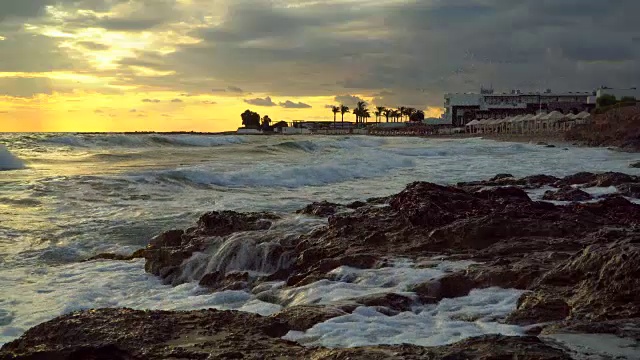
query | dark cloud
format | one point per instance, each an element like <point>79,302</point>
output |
<point>348,100</point>
<point>293,105</point>
<point>234,89</point>
<point>209,102</point>
<point>151,100</point>
<point>260,102</point>
<point>329,106</point>
<point>176,101</point>
<point>133,110</point>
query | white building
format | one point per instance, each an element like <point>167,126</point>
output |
<point>462,108</point>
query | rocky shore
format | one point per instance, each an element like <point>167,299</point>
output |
<point>576,261</point>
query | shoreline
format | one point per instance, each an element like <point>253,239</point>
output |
<point>465,243</point>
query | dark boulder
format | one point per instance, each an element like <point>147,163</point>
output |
<point>629,189</point>
<point>635,165</point>
<point>567,193</point>
<point>321,209</point>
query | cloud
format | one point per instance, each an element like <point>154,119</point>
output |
<point>151,100</point>
<point>348,100</point>
<point>292,105</point>
<point>25,87</point>
<point>176,101</point>
<point>260,102</point>
<point>133,110</point>
<point>93,45</point>
<point>209,102</point>
<point>329,106</point>
<point>234,89</point>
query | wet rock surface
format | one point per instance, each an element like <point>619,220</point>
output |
<point>120,334</point>
<point>578,263</point>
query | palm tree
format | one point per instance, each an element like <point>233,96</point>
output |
<point>387,112</point>
<point>396,114</point>
<point>335,111</point>
<point>365,115</point>
<point>379,111</point>
<point>408,112</point>
<point>343,110</point>
<point>401,110</point>
<point>360,110</point>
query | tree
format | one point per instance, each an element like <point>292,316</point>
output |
<point>379,111</point>
<point>418,115</point>
<point>359,111</point>
<point>343,110</point>
<point>335,111</point>
<point>250,119</point>
<point>401,110</point>
<point>387,113</point>
<point>396,114</point>
<point>628,99</point>
<point>606,100</point>
<point>377,114</point>
<point>266,122</point>
<point>408,112</point>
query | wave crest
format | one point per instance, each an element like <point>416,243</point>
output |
<point>8,161</point>
<point>139,141</point>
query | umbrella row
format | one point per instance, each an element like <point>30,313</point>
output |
<point>529,123</point>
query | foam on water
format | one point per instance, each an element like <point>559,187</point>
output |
<point>449,321</point>
<point>135,141</point>
<point>8,161</point>
<point>54,291</point>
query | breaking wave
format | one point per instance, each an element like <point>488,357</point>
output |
<point>292,176</point>
<point>8,161</point>
<point>136,141</point>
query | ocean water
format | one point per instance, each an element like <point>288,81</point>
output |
<point>66,197</point>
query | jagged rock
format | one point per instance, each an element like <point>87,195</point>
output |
<point>579,178</point>
<point>501,176</point>
<point>356,205</point>
<point>396,302</point>
<point>217,280</point>
<point>167,251</point>
<point>536,308</point>
<point>629,189</point>
<point>322,209</point>
<point>635,165</point>
<point>567,193</point>
<point>301,318</point>
<point>121,334</point>
<point>612,179</point>
<point>140,253</point>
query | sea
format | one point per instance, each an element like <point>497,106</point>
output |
<point>67,197</point>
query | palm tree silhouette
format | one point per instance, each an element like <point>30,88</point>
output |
<point>379,112</point>
<point>360,110</point>
<point>387,113</point>
<point>401,110</point>
<point>343,110</point>
<point>335,111</point>
<point>396,114</point>
<point>408,112</point>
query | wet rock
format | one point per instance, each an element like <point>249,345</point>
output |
<point>301,318</point>
<point>356,205</point>
<point>321,209</point>
<point>539,180</point>
<point>501,177</point>
<point>612,179</point>
<point>450,286</point>
<point>579,178</point>
<point>138,254</point>
<point>536,308</point>
<point>629,189</point>
<point>397,302</point>
<point>504,194</point>
<point>567,193</point>
<point>167,251</point>
<point>635,165</point>
<point>211,334</point>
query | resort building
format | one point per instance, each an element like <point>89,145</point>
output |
<point>460,109</point>
<point>619,93</point>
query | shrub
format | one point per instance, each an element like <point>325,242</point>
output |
<point>606,100</point>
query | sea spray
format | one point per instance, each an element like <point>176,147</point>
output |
<point>8,161</point>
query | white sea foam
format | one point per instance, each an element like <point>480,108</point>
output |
<point>40,294</point>
<point>449,321</point>
<point>136,141</point>
<point>8,161</point>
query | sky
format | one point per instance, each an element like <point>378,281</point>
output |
<point>196,65</point>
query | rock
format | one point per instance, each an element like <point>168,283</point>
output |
<point>579,178</point>
<point>121,334</point>
<point>356,205</point>
<point>167,251</point>
<point>451,286</point>
<point>321,209</point>
<point>612,179</point>
<point>504,194</point>
<point>399,303</point>
<point>629,189</point>
<point>501,176</point>
<point>539,180</point>
<point>567,193</point>
<point>635,165</point>
<point>550,146</point>
<point>536,308</point>
<point>140,253</point>
<point>301,318</point>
